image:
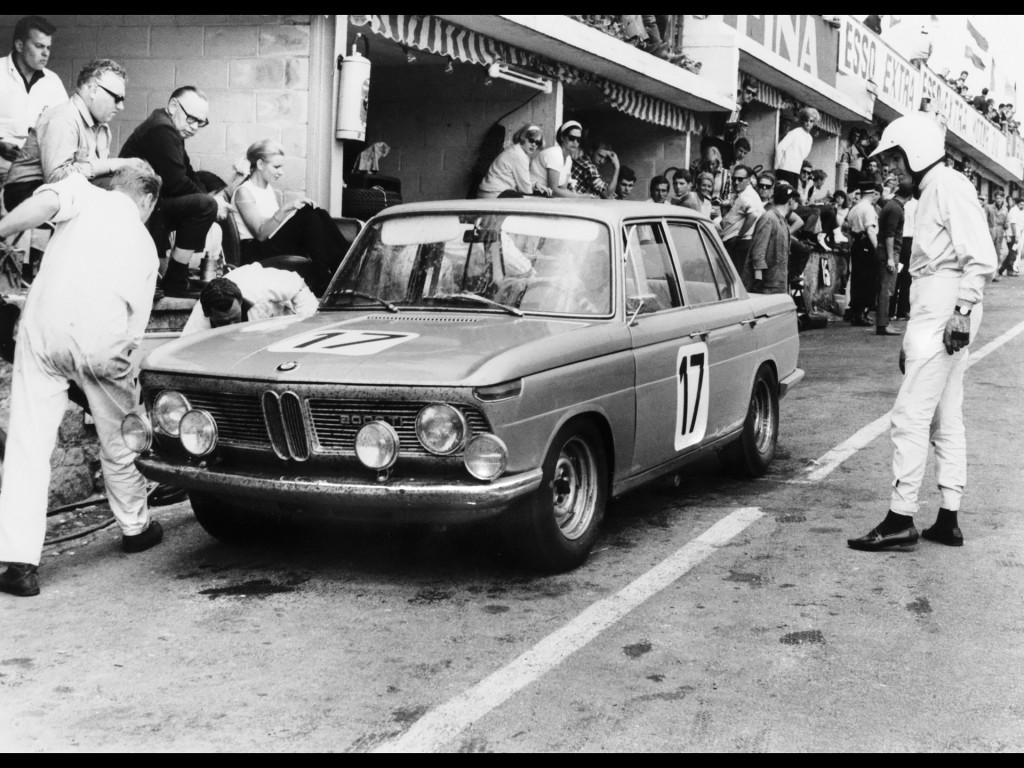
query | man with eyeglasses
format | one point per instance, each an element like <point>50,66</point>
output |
<point>738,222</point>
<point>765,185</point>
<point>185,206</point>
<point>69,138</point>
<point>73,137</point>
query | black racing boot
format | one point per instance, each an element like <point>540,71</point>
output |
<point>151,535</point>
<point>20,579</point>
<point>175,280</point>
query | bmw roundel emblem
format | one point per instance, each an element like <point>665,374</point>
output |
<point>291,365</point>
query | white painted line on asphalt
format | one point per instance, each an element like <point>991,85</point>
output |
<point>441,725</point>
<point>824,466</point>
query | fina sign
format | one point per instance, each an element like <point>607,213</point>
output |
<point>800,39</point>
<point>863,54</point>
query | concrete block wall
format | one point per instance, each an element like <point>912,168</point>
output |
<point>254,69</point>
<point>434,123</point>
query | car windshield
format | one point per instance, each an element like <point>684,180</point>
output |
<point>516,262</point>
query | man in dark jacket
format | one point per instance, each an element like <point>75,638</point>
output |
<point>185,207</point>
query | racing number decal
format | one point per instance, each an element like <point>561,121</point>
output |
<point>342,342</point>
<point>692,389</point>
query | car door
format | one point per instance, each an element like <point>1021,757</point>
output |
<point>712,290</point>
<point>668,348</point>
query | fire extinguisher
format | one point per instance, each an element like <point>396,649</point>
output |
<point>353,92</point>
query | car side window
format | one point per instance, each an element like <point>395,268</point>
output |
<point>651,282</point>
<point>698,276</point>
<point>720,266</point>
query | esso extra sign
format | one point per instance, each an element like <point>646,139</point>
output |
<point>858,50</point>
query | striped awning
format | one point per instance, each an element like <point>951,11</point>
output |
<point>647,108</point>
<point>429,33</point>
<point>775,98</point>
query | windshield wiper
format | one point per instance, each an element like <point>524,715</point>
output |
<point>349,292</point>
<point>465,296</point>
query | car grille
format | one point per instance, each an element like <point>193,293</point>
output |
<point>294,427</point>
<point>336,422</point>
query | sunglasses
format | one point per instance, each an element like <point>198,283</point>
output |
<point>193,121</point>
<point>765,186</point>
<point>737,179</point>
<point>118,98</point>
<point>535,142</point>
<point>573,138</point>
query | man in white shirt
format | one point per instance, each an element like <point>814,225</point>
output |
<point>953,257</point>
<point>738,222</point>
<point>795,147</point>
<point>83,320</point>
<point>252,292</point>
<point>27,87</point>
<point>1014,236</point>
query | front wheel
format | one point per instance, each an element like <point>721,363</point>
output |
<point>755,449</point>
<point>233,522</point>
<point>556,527</point>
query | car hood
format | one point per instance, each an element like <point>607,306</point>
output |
<point>423,349</point>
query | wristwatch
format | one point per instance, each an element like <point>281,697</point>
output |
<point>963,311</point>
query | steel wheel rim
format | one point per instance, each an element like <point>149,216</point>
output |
<point>764,421</point>
<point>574,488</point>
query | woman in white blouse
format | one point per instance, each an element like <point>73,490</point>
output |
<point>271,224</point>
<point>553,166</point>
<point>511,169</point>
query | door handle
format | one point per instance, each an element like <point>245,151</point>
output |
<point>751,322</point>
<point>701,335</point>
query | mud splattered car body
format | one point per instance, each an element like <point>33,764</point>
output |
<point>527,359</point>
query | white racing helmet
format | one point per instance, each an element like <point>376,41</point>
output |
<point>919,136</point>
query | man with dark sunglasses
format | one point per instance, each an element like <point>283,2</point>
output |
<point>185,207</point>
<point>738,222</point>
<point>73,137</point>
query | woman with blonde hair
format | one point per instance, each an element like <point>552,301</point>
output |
<point>510,170</point>
<point>271,223</point>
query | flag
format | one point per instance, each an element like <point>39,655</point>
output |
<point>979,39</point>
<point>975,58</point>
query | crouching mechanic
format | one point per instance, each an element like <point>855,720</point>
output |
<point>84,318</point>
<point>252,292</point>
<point>951,259</point>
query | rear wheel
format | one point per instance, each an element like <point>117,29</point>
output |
<point>755,449</point>
<point>234,522</point>
<point>556,527</point>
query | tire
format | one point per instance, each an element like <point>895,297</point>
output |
<point>753,452</point>
<point>234,522</point>
<point>555,528</point>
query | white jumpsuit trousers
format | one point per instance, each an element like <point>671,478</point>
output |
<point>928,408</point>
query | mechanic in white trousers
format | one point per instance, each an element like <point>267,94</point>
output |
<point>952,258</point>
<point>84,317</point>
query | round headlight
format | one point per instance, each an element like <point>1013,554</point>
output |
<point>485,456</point>
<point>441,429</point>
<point>198,432</point>
<point>136,433</point>
<point>377,445</point>
<point>168,409</point>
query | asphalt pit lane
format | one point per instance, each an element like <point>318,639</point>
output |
<point>753,579</point>
<point>408,715</point>
<point>431,596</point>
<point>921,606</point>
<point>656,678</point>
<point>495,609</point>
<point>637,650</point>
<point>256,588</point>
<point>791,517</point>
<point>22,662</point>
<point>826,530</point>
<point>805,637</point>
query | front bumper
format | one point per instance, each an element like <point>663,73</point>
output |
<point>351,498</point>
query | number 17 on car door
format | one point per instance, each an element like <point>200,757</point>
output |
<point>691,394</point>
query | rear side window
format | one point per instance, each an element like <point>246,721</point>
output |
<point>720,266</point>
<point>651,282</point>
<point>699,281</point>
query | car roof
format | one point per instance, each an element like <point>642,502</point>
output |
<point>608,210</point>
